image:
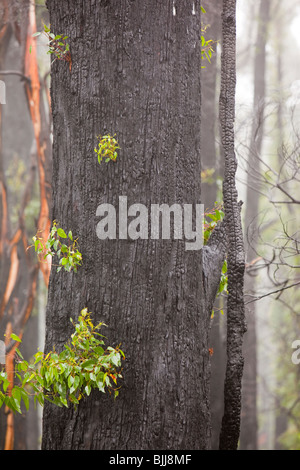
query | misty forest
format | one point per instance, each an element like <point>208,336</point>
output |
<point>149,244</point>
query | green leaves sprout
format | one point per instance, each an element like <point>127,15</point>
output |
<point>67,251</point>
<point>107,148</point>
<point>58,46</point>
<point>212,218</point>
<point>207,46</point>
<point>67,377</point>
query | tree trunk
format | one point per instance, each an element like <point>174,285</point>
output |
<point>135,72</point>
<point>249,405</point>
<point>230,429</point>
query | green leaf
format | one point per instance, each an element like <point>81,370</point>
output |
<point>115,359</point>
<point>224,267</point>
<point>23,366</point>
<point>15,337</point>
<point>99,350</point>
<point>36,244</point>
<point>2,396</point>
<point>93,377</point>
<point>87,389</point>
<point>19,353</point>
<point>100,383</point>
<point>36,34</point>
<point>16,394</point>
<point>89,364</point>
<point>25,398</point>
<point>75,384</point>
<point>61,233</point>
<point>40,398</point>
<point>64,248</point>
<point>70,235</point>
<point>70,381</point>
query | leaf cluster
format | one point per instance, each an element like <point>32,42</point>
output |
<point>107,148</point>
<point>65,377</point>
<point>212,218</point>
<point>66,250</point>
<point>207,48</point>
<point>57,44</point>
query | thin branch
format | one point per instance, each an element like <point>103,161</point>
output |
<point>15,72</point>
<point>270,293</point>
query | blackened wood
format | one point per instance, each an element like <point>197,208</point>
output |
<point>135,72</point>
<point>230,429</point>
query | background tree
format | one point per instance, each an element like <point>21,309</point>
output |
<point>249,416</point>
<point>270,171</point>
<point>25,178</point>
<point>230,429</point>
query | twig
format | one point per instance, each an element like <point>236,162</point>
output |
<point>15,72</point>
<point>272,292</point>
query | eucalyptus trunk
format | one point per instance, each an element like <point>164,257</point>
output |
<point>135,72</point>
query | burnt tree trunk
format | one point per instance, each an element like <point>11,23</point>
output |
<point>230,429</point>
<point>135,72</point>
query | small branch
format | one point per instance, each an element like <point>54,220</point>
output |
<point>273,292</point>
<point>15,72</point>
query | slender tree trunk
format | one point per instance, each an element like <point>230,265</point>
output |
<point>135,72</point>
<point>230,430</point>
<point>249,406</point>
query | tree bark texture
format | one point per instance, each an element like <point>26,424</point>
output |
<point>135,72</point>
<point>230,430</point>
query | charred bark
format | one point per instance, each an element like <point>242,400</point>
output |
<point>230,430</point>
<point>135,72</point>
